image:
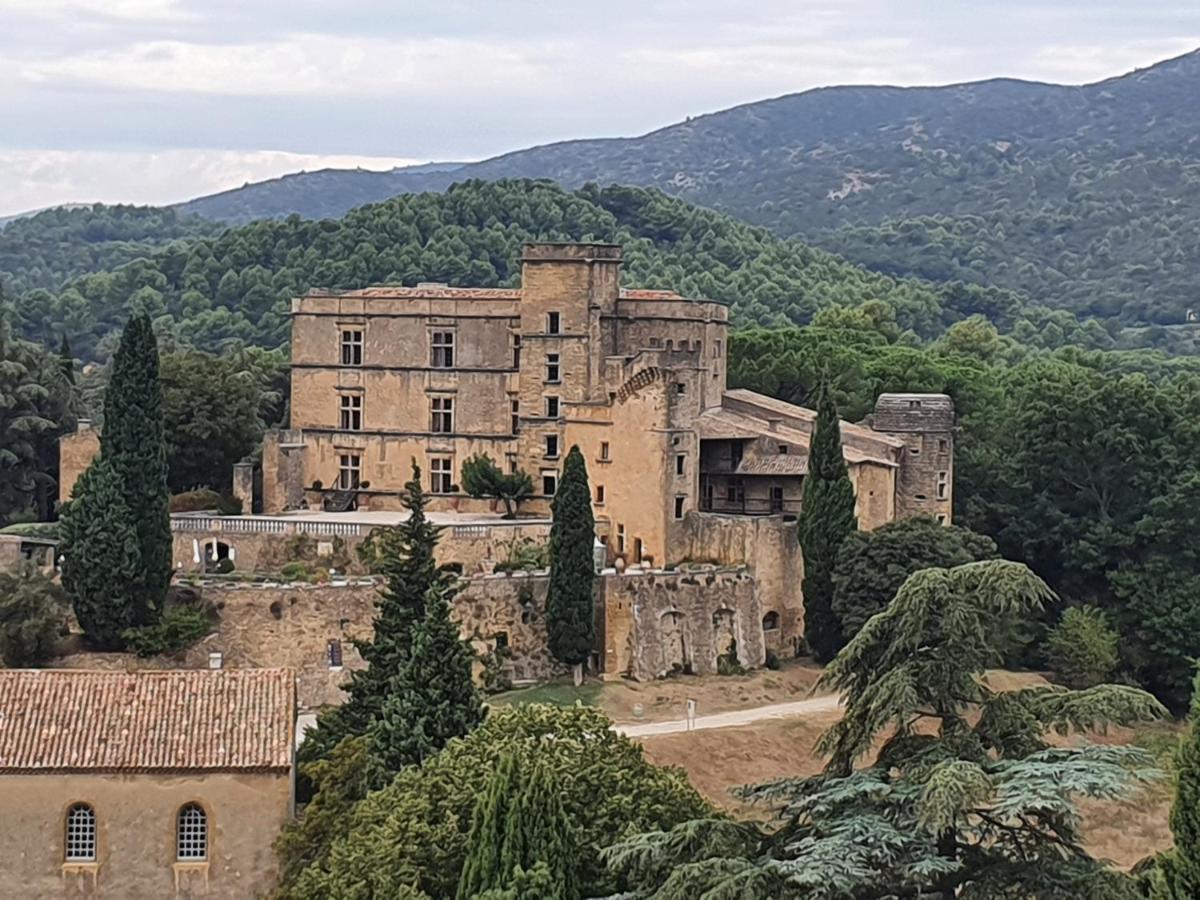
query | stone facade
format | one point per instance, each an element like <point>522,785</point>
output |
<point>75,453</point>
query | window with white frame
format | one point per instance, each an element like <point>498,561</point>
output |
<point>441,415</point>
<point>352,347</point>
<point>349,471</point>
<point>551,407</point>
<point>604,450</point>
<point>551,446</point>
<point>442,350</point>
<point>350,412</point>
<point>943,485</point>
<point>81,834</point>
<point>441,475</point>
<point>620,538</point>
<point>191,835</point>
<point>553,370</point>
<point>549,482</point>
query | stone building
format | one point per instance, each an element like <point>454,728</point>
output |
<point>143,784</point>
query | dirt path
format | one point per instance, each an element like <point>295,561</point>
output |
<point>734,719</point>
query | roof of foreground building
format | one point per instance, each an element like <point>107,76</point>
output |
<point>64,720</point>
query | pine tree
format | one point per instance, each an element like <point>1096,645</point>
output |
<point>433,698</point>
<point>405,558</point>
<point>100,555</point>
<point>826,519</point>
<point>133,442</point>
<point>570,610</point>
<point>1181,865</point>
<point>483,868</point>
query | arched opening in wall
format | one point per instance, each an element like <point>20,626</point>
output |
<point>218,556</point>
<point>772,634</point>
<point>673,645</point>
<point>724,634</point>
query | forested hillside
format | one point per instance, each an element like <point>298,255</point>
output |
<point>1085,198</point>
<point>237,285</point>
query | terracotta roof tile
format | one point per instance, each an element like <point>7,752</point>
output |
<point>61,720</point>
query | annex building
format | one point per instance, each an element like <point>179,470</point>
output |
<point>147,784</point>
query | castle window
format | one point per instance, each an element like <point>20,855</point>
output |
<point>941,518</point>
<point>915,451</point>
<point>551,407</point>
<point>716,350</point>
<point>352,347</point>
<point>670,345</point>
<point>914,404</point>
<point>680,462</point>
<point>441,411</point>
<point>552,368</point>
<point>349,471</point>
<point>501,640</point>
<point>679,503</point>
<point>771,621</point>
<point>599,495</point>
<point>350,412</point>
<point>81,834</point>
<point>191,834</point>
<point>620,538</point>
<point>637,549</point>
<point>604,451</point>
<point>943,445</point>
<point>680,387</point>
<point>553,323</point>
<point>442,350</point>
<point>654,342</point>
<point>333,653</point>
<point>921,497</point>
<point>516,351</point>
<point>551,446</point>
<point>441,475</point>
<point>549,482</point>
<point>943,485</point>
<point>783,449</point>
<point>516,416</point>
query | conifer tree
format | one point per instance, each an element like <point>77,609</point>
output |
<point>1181,865</point>
<point>133,442</point>
<point>826,519</point>
<point>483,868</point>
<point>433,698</point>
<point>539,832</point>
<point>100,554</point>
<point>570,612</point>
<point>66,359</point>
<point>405,554</point>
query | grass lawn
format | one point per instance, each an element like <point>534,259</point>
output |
<point>554,693</point>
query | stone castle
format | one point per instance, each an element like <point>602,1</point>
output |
<point>683,470</point>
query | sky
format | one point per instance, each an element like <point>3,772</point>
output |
<point>157,101</point>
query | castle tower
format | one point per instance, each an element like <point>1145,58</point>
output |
<point>566,292</point>
<point>925,422</point>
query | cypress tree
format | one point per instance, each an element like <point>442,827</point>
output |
<point>66,360</point>
<point>133,441</point>
<point>482,868</point>
<point>1181,865</point>
<point>570,612</point>
<point>433,698</point>
<point>405,555</point>
<point>826,519</point>
<point>100,554</point>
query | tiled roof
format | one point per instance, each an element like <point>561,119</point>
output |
<point>63,720</point>
<point>720,423</point>
<point>784,464</point>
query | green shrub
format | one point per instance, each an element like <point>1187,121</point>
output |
<point>180,626</point>
<point>32,608</point>
<point>727,662</point>
<point>196,501</point>
<point>223,566</point>
<point>525,554</point>
<point>496,677</point>
<point>772,661</point>
<point>300,546</point>
<point>1082,647</point>
<point>296,571</point>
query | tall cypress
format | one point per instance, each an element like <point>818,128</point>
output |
<point>482,868</point>
<point>433,698</point>
<point>570,612</point>
<point>1181,865</point>
<point>406,562</point>
<point>826,518</point>
<point>100,555</point>
<point>133,441</point>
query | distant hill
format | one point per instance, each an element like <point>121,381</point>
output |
<point>6,220</point>
<point>1087,198</point>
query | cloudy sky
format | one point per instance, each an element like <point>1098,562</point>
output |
<point>153,101</point>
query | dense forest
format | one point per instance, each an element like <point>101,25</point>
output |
<point>1083,198</point>
<point>236,285</point>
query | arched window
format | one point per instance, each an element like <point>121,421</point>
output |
<point>771,621</point>
<point>81,834</point>
<point>191,842</point>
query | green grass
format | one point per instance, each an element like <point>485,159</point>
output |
<point>555,693</point>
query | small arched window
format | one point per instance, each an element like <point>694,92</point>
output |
<point>81,834</point>
<point>191,842</point>
<point>771,621</point>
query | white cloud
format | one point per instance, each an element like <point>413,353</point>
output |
<point>32,179</point>
<point>1083,63</point>
<point>131,10</point>
<point>307,64</point>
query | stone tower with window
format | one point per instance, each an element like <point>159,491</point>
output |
<point>925,422</point>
